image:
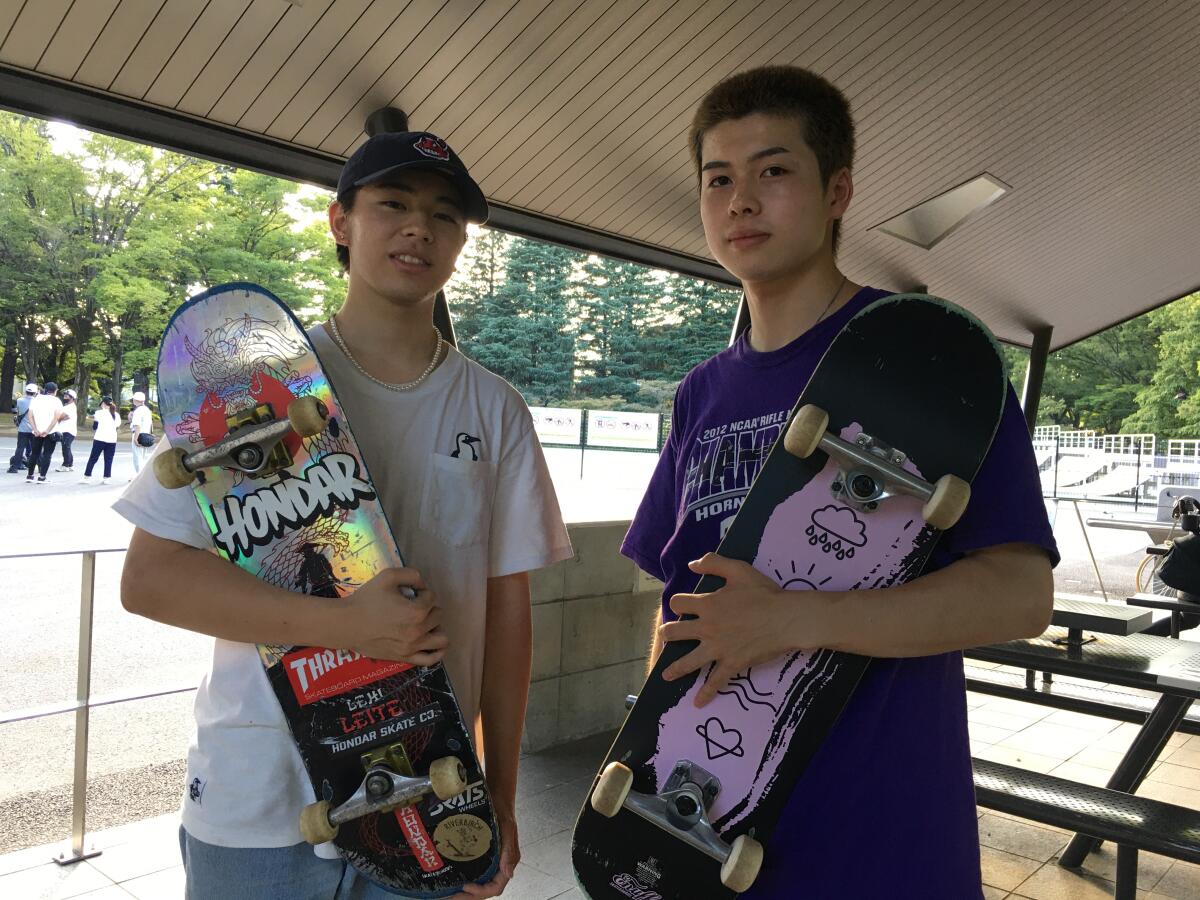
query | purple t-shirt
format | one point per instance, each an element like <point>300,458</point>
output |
<point>887,805</point>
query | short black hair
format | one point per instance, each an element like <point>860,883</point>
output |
<point>784,91</point>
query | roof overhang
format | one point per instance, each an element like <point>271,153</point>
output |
<point>573,117</point>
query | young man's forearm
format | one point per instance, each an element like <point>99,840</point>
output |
<point>392,616</point>
<point>507,664</point>
<point>998,594</point>
<point>992,595</point>
<point>190,588</point>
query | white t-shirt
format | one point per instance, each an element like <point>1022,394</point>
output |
<point>141,420</point>
<point>68,425</point>
<point>106,426</point>
<point>42,411</point>
<point>459,521</point>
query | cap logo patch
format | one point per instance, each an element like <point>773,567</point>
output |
<point>434,148</point>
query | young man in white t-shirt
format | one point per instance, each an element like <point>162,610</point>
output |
<point>45,412</point>
<point>471,525</point>
<point>140,422</point>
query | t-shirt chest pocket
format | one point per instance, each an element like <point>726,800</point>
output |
<point>458,499</point>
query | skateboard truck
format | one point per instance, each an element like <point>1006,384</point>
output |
<point>681,809</point>
<point>872,471</point>
<point>388,784</point>
<point>253,443</point>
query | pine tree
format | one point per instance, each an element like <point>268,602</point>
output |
<point>618,304</point>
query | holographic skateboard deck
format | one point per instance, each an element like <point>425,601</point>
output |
<point>257,434</point>
<point>875,461</point>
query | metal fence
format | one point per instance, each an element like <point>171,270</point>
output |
<point>83,704</point>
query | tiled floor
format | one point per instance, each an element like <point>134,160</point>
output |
<point>1019,858</point>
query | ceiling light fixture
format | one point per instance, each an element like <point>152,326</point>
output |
<point>930,222</point>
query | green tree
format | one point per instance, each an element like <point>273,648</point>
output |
<point>620,303</point>
<point>523,331</point>
<point>1093,384</point>
<point>474,286</point>
<point>35,227</point>
<point>1168,401</point>
<point>249,234</point>
<point>705,313</point>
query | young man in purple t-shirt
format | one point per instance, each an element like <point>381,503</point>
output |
<point>886,806</point>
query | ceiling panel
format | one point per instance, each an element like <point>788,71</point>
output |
<point>76,33</point>
<point>266,64</point>
<point>116,41</point>
<point>32,30</point>
<point>467,49</point>
<point>342,103</point>
<point>511,42</point>
<point>244,43</point>
<point>513,127</point>
<point>369,31</point>
<point>577,111</point>
<point>219,19</point>
<point>482,110</point>
<point>521,177</point>
<point>158,43</point>
<point>307,58</point>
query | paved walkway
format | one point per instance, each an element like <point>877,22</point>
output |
<point>1019,858</point>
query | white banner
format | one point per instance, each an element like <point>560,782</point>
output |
<point>557,426</point>
<point>610,428</point>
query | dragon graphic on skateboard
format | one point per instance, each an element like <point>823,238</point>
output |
<point>257,434</point>
<point>875,461</point>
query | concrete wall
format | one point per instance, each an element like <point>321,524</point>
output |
<point>591,633</point>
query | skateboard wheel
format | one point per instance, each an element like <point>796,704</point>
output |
<point>170,471</point>
<point>314,823</point>
<point>448,777</point>
<point>950,497</point>
<point>308,416</point>
<point>613,787</point>
<point>741,868</point>
<point>804,434</point>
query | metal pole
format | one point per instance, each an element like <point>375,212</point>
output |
<point>1137,484</point>
<point>1087,541</point>
<point>1057,443</point>
<point>1039,353</point>
<point>583,439</point>
<point>83,692</point>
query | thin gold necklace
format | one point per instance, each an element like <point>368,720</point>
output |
<point>405,386</point>
<point>829,305</point>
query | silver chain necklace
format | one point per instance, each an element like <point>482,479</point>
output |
<point>406,386</point>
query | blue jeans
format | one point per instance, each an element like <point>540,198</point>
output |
<point>271,873</point>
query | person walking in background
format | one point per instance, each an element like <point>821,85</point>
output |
<point>20,459</point>
<point>68,427</point>
<point>44,412</point>
<point>141,425</point>
<point>104,439</point>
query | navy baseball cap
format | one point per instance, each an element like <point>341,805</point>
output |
<point>395,151</point>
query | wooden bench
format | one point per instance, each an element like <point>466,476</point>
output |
<point>1132,823</point>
